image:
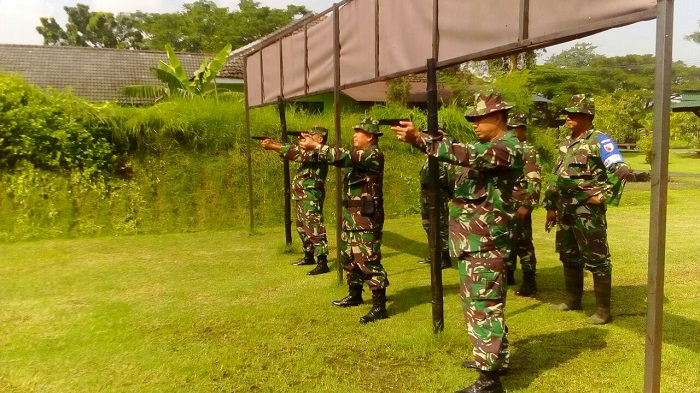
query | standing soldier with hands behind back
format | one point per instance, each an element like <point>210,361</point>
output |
<point>527,196</point>
<point>588,175</point>
<point>480,230</point>
<point>308,192</point>
<point>363,214</point>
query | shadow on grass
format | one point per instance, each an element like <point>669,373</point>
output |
<point>407,298</point>
<point>405,245</point>
<point>536,354</point>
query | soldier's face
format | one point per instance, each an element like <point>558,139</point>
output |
<point>361,139</point>
<point>578,121</point>
<point>488,126</point>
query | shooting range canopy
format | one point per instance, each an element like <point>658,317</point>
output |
<point>383,39</point>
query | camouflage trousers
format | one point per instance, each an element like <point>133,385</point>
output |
<point>522,245</point>
<point>444,225</point>
<point>309,222</point>
<point>581,239</point>
<point>362,258</point>
<point>483,293</point>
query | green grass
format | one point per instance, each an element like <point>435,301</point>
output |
<point>677,163</point>
<point>226,312</point>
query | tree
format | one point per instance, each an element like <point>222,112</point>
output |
<point>695,36</point>
<point>580,55</point>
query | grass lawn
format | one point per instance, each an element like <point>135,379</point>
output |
<point>226,312</point>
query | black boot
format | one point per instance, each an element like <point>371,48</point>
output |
<point>378,310</point>
<point>488,382</point>
<point>308,259</point>
<point>354,297</point>
<point>602,285</point>
<point>471,365</point>
<point>573,284</point>
<point>446,261</point>
<point>321,266</point>
<point>529,286</point>
<point>424,261</point>
<point>510,277</point>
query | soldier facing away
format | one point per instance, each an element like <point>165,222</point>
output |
<point>588,175</point>
<point>480,233</point>
<point>526,195</point>
<point>308,192</point>
<point>363,214</point>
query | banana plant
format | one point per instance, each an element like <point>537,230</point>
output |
<point>177,83</point>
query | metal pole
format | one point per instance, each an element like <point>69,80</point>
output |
<point>659,193</point>
<point>338,172</point>
<point>249,148</point>
<point>287,182</point>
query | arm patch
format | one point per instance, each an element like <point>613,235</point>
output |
<point>609,152</point>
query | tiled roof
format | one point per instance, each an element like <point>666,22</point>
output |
<point>95,74</point>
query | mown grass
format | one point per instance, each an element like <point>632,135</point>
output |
<point>226,312</point>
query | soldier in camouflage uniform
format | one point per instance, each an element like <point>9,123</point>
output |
<point>363,214</point>
<point>480,234</point>
<point>527,196</point>
<point>446,183</point>
<point>589,175</point>
<point>308,192</point>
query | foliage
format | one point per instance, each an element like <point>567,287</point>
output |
<point>201,26</point>
<point>398,91</point>
<point>580,55</point>
<point>694,36</point>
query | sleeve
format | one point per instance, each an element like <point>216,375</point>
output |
<point>531,173</point>
<point>291,152</point>
<point>337,156</point>
<point>480,156</point>
<point>616,170</point>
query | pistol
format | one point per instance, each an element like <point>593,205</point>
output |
<point>294,133</point>
<point>391,122</point>
<point>260,137</point>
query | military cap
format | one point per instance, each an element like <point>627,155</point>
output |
<point>369,125</point>
<point>580,103</point>
<point>485,102</point>
<point>516,120</point>
<point>318,130</point>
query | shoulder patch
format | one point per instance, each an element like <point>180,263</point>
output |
<point>609,152</point>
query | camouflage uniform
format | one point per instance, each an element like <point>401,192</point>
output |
<point>308,192</point>
<point>587,166</point>
<point>446,183</point>
<point>480,233</point>
<point>526,193</point>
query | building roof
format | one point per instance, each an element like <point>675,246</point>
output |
<point>689,102</point>
<point>95,74</point>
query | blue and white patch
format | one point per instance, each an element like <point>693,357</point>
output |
<point>609,152</point>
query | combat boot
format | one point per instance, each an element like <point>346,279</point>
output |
<point>354,297</point>
<point>378,310</point>
<point>424,261</point>
<point>573,284</point>
<point>321,266</point>
<point>529,286</point>
<point>510,277</point>
<point>446,260</point>
<point>488,382</point>
<point>308,259</point>
<point>471,365</point>
<point>602,285</point>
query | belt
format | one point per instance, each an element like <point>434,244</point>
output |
<point>358,202</point>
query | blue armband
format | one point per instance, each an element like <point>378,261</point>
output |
<point>609,152</point>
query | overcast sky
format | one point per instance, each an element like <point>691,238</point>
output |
<point>19,18</point>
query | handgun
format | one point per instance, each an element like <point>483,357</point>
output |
<point>260,137</point>
<point>391,122</point>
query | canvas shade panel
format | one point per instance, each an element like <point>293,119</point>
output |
<point>320,50</point>
<point>272,83</point>
<point>294,66</point>
<point>405,35</point>
<point>253,85</point>
<point>358,35</point>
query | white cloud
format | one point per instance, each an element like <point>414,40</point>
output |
<point>19,19</point>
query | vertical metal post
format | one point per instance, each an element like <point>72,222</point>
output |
<point>338,172</point>
<point>249,148</point>
<point>659,193</point>
<point>287,182</point>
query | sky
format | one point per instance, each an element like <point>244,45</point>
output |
<point>19,18</point>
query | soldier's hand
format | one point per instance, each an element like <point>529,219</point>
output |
<point>594,200</point>
<point>407,132</point>
<point>551,220</point>
<point>522,212</point>
<point>269,144</point>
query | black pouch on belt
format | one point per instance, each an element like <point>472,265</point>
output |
<point>367,208</point>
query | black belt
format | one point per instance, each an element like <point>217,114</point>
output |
<point>357,202</point>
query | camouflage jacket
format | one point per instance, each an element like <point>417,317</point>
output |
<point>446,176</point>
<point>363,205</point>
<point>310,178</point>
<point>529,184</point>
<point>482,206</point>
<point>587,166</point>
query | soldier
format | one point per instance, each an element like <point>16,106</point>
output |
<point>446,183</point>
<point>589,175</point>
<point>480,233</point>
<point>527,196</point>
<point>363,214</point>
<point>308,192</point>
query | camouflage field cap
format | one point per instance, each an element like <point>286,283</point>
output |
<point>580,103</point>
<point>318,130</point>
<point>369,125</point>
<point>485,102</point>
<point>516,120</point>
